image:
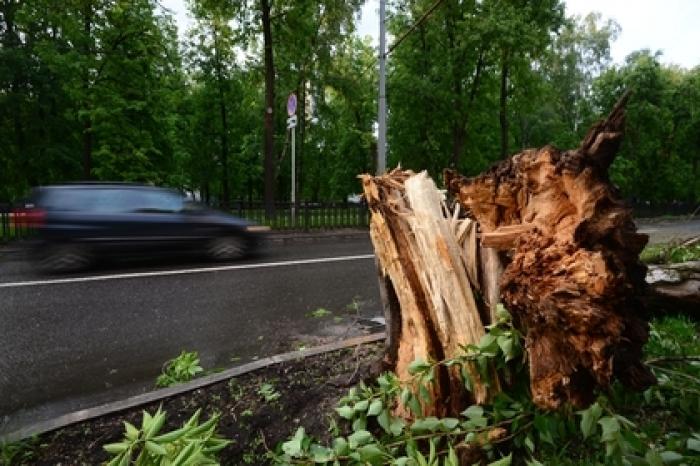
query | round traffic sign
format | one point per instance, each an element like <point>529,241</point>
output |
<point>292,104</point>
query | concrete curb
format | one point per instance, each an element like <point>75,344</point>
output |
<point>157,395</point>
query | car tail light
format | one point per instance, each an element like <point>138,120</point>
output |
<point>33,218</point>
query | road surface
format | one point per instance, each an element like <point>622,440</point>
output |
<point>69,342</point>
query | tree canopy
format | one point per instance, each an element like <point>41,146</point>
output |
<point>109,90</point>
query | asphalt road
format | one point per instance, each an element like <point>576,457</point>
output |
<point>73,341</point>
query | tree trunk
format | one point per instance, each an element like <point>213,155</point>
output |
<point>427,265</point>
<point>269,144</point>
<point>569,270</point>
<point>224,124</point>
<point>674,287</point>
<point>87,123</point>
<point>574,280</point>
<point>503,105</point>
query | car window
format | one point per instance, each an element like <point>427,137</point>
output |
<point>160,201</point>
<point>65,199</point>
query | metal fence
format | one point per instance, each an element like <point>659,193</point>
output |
<point>306,216</point>
<point>13,226</point>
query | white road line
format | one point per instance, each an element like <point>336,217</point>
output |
<point>120,276</point>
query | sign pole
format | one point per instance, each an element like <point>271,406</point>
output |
<point>291,125</point>
<point>294,178</point>
<point>381,118</point>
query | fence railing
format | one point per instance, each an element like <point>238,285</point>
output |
<point>306,216</point>
<point>13,226</point>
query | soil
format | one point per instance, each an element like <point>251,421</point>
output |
<point>309,388</point>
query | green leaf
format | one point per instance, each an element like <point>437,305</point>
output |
<point>693,444</point>
<point>359,438</point>
<point>321,454</point>
<point>425,394</point>
<point>360,423</point>
<point>671,457</point>
<point>375,408</point>
<point>611,427</point>
<point>361,406</point>
<point>415,407</point>
<point>384,421</point>
<point>418,366</point>
<point>132,433</point>
<point>473,411</point>
<point>506,345</point>
<point>172,436</point>
<point>589,419</point>
<point>653,458</point>
<point>340,446</point>
<point>371,453</point>
<point>428,424</point>
<point>505,461</point>
<point>155,449</point>
<point>115,448</point>
<point>346,412</point>
<point>294,447</point>
<point>488,343</point>
<point>449,423</point>
<point>402,461</point>
<point>397,426</point>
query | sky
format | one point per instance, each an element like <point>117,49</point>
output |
<point>671,26</point>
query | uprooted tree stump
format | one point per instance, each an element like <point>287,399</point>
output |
<point>557,246</point>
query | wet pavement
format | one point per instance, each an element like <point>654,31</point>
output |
<point>72,342</point>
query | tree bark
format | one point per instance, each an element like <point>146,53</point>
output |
<point>269,141</point>
<point>224,124</point>
<point>503,104</point>
<point>574,280</point>
<point>427,266</point>
<point>87,123</point>
<point>568,270</point>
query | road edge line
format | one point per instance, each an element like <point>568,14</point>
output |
<point>81,415</point>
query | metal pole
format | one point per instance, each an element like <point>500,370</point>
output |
<point>294,178</point>
<point>381,136</point>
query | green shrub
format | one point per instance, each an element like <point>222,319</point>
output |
<point>180,369</point>
<point>191,444</point>
<point>658,427</point>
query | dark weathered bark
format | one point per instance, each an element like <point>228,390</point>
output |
<point>269,140</point>
<point>87,119</point>
<point>574,281</point>
<point>220,80</point>
<point>503,104</point>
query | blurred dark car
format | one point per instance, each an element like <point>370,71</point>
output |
<point>77,223</point>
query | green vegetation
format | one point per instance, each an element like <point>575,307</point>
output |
<point>180,369</point>
<point>193,443</point>
<point>670,253</point>
<point>112,91</point>
<point>657,427</point>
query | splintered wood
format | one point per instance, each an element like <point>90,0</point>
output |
<point>430,261</point>
<point>557,246</point>
<point>574,279</point>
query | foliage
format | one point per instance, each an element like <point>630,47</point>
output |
<point>108,90</point>
<point>20,452</point>
<point>670,253</point>
<point>618,429</point>
<point>269,393</point>
<point>193,443</point>
<point>180,369</point>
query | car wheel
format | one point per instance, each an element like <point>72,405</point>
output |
<point>65,258</point>
<point>226,248</point>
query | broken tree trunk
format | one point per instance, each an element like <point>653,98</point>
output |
<point>427,265</point>
<point>574,279</point>
<point>674,287</point>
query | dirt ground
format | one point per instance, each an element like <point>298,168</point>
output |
<point>307,387</point>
